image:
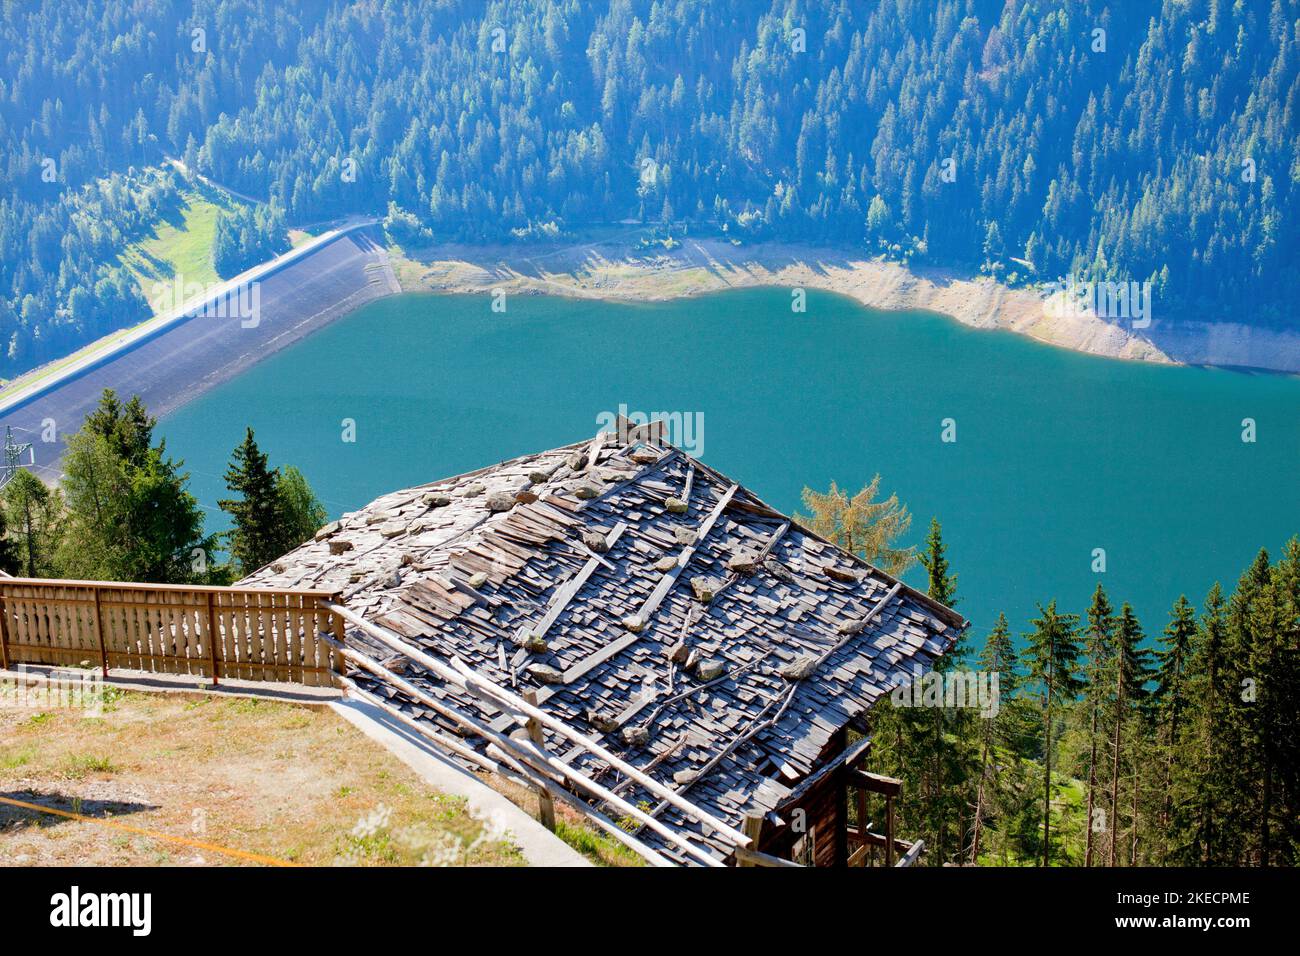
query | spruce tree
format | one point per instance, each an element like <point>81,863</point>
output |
<point>1207,754</point>
<point>258,513</point>
<point>1097,646</point>
<point>275,512</point>
<point>996,732</point>
<point>1171,701</point>
<point>1051,655</point>
<point>942,585</point>
<point>1130,674</point>
<point>1246,774</point>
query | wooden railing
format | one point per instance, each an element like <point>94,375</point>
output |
<point>245,633</point>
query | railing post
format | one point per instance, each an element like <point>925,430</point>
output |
<point>212,640</point>
<point>340,634</point>
<point>889,829</point>
<point>545,802</point>
<point>752,827</point>
<point>99,633</point>
<point>4,630</point>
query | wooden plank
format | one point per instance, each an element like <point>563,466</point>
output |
<point>911,855</point>
<point>193,648</point>
<point>889,829</point>
<point>266,644</point>
<point>752,827</point>
<point>670,577</point>
<point>210,641</point>
<point>45,583</point>
<point>4,630</point>
<point>598,658</point>
<point>875,783</point>
<point>99,631</point>
<point>747,857</point>
<point>570,588</point>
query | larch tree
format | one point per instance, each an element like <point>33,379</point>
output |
<point>33,516</point>
<point>129,515</point>
<point>861,524</point>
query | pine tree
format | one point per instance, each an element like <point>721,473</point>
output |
<point>1051,656</point>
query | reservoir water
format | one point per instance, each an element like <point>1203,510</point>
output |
<point>1056,454</point>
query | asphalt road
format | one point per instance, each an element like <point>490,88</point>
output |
<point>190,357</point>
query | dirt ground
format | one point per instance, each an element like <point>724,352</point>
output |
<point>220,781</point>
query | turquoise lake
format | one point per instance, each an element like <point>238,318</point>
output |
<point>1056,453</point>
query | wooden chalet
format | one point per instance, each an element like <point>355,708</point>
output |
<point>638,635</point>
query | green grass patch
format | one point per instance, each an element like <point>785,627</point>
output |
<point>15,759</point>
<point>81,765</point>
<point>181,244</point>
<point>597,847</point>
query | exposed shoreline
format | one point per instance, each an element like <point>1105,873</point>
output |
<point>615,269</point>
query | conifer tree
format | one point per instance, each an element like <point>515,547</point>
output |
<point>1097,646</point>
<point>32,517</point>
<point>1247,772</point>
<point>129,514</point>
<point>275,512</point>
<point>942,585</point>
<point>861,524</point>
<point>258,513</point>
<point>1206,756</point>
<point>1051,656</point>
<point>1130,675</point>
<point>998,656</point>
<point>1171,700</point>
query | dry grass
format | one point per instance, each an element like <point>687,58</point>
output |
<point>279,780</point>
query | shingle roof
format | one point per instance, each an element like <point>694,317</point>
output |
<point>589,581</point>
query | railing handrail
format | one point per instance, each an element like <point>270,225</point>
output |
<point>7,582</point>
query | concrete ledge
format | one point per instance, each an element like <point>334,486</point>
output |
<point>540,846</point>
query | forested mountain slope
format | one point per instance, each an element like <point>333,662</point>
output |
<point>1136,140</point>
